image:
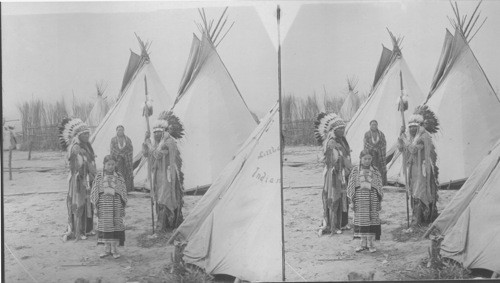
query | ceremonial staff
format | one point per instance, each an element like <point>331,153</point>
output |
<point>148,111</point>
<point>402,107</point>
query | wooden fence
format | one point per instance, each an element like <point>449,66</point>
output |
<point>42,138</point>
<point>300,132</point>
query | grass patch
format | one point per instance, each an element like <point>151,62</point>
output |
<point>145,241</point>
<point>188,275</point>
<point>180,272</point>
<point>400,235</point>
<point>449,270</point>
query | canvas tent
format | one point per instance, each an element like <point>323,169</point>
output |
<point>235,228</point>
<point>127,110</point>
<point>8,138</point>
<point>100,108</point>
<point>216,119</point>
<point>382,103</point>
<point>470,223</point>
<point>351,102</point>
<point>467,108</point>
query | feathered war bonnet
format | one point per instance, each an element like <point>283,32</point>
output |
<point>325,123</point>
<point>168,121</point>
<point>430,121</point>
<point>70,129</point>
<point>415,120</point>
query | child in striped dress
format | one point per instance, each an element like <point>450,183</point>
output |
<point>365,193</point>
<point>109,196</point>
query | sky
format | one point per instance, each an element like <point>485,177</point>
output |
<point>330,41</point>
<point>57,49</point>
<point>51,50</point>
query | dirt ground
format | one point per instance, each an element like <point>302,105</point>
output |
<point>331,258</point>
<point>35,217</point>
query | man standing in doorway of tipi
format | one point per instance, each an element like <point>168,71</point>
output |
<point>374,141</point>
<point>419,161</point>
<point>329,131</point>
<point>166,173</point>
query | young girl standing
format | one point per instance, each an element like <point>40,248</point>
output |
<point>109,196</point>
<point>365,192</point>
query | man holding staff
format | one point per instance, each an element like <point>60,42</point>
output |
<point>167,178</point>
<point>419,161</point>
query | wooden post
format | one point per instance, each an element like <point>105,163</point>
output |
<point>146,114</point>
<point>30,147</point>
<point>10,163</point>
<point>283,277</point>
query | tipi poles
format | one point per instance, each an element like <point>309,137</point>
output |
<point>146,114</point>
<point>278,14</point>
<point>405,173</point>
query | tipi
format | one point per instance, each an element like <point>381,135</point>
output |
<point>235,228</point>
<point>127,110</point>
<point>470,224</point>
<point>467,108</point>
<point>101,107</point>
<point>382,103</point>
<point>351,102</point>
<point>216,119</point>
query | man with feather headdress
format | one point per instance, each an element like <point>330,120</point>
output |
<point>329,131</point>
<point>74,137</point>
<point>419,161</point>
<point>166,163</point>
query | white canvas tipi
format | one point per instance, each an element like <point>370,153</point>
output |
<point>235,228</point>
<point>351,102</point>
<point>127,110</point>
<point>215,117</point>
<point>382,103</point>
<point>467,108</point>
<point>101,107</point>
<point>470,223</point>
